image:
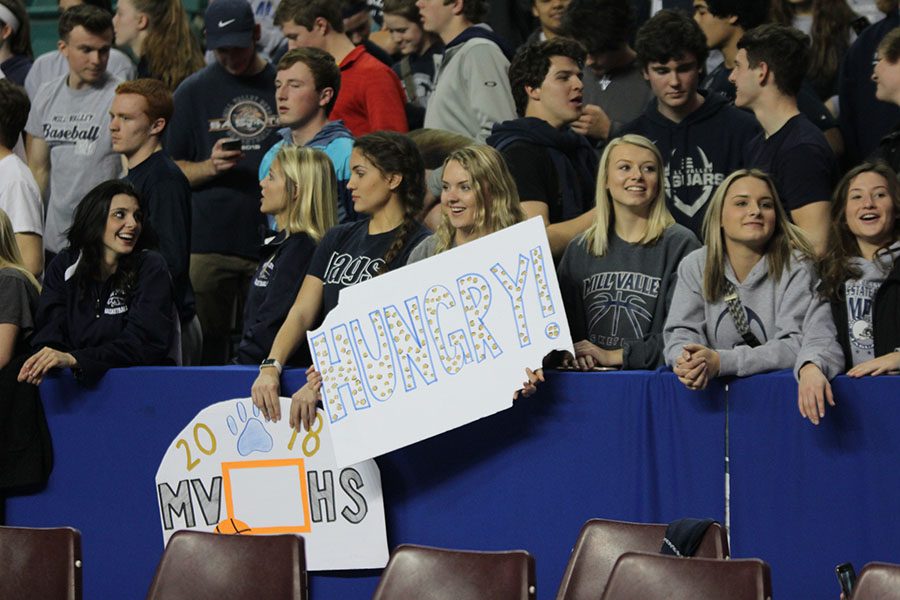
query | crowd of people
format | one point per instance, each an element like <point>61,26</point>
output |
<point>718,184</point>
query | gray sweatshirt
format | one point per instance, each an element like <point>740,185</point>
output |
<point>620,299</point>
<point>792,322</point>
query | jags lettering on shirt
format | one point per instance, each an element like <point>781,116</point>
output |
<point>617,304</point>
<point>248,118</point>
<point>347,270</point>
<point>699,174</point>
<point>859,313</point>
<point>116,304</point>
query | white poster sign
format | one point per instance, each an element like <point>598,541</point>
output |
<point>231,472</point>
<point>439,343</point>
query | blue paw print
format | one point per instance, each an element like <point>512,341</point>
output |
<point>254,437</point>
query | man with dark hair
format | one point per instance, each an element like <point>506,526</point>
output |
<point>769,68</point>
<point>20,197</point>
<point>471,90</point>
<point>701,137</point>
<point>865,118</point>
<point>230,101</point>
<point>68,144</point>
<point>554,168</point>
<point>306,89</point>
<point>358,27</point>
<point>724,22</point>
<point>886,76</point>
<point>371,96</point>
<point>139,114</point>
<point>53,65</point>
<point>615,91</point>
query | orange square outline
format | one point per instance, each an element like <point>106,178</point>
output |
<point>255,464</point>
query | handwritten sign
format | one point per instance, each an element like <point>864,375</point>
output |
<point>439,343</point>
<point>230,472</point>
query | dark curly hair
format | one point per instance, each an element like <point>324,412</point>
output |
<point>784,49</point>
<point>531,64</point>
<point>670,35</point>
<point>600,25</point>
<point>394,153</point>
<point>14,107</point>
<point>86,236</point>
<point>95,20</point>
<point>749,13</point>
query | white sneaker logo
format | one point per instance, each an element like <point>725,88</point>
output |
<point>226,23</point>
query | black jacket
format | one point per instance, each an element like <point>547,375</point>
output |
<point>885,317</point>
<point>105,328</point>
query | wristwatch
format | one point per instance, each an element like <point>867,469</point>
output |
<point>271,362</point>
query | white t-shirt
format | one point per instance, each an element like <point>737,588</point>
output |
<point>20,197</point>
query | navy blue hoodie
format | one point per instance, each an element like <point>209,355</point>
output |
<point>864,119</point>
<point>699,152</point>
<point>103,327</point>
<point>572,157</point>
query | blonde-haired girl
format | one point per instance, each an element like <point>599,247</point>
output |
<point>300,192</point>
<point>478,197</point>
<point>617,278</point>
<point>746,303</point>
<point>18,296</point>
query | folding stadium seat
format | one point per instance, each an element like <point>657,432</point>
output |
<point>878,581</point>
<point>639,576</point>
<point>422,573</point>
<point>602,542</point>
<point>209,566</point>
<point>40,564</point>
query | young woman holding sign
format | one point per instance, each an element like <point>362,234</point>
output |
<point>861,271</point>
<point>617,278</point>
<point>299,191</point>
<point>478,197</point>
<point>387,184</point>
<point>746,302</point>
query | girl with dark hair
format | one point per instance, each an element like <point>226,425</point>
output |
<point>418,48</point>
<point>746,302</point>
<point>160,37</point>
<point>832,26</point>
<point>15,41</point>
<point>860,271</point>
<point>386,184</point>
<point>107,300</point>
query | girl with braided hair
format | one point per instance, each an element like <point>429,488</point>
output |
<point>387,185</point>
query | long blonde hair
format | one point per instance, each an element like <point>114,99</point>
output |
<point>171,49</point>
<point>10,257</point>
<point>597,235</point>
<point>786,238</point>
<point>310,189</point>
<point>497,199</point>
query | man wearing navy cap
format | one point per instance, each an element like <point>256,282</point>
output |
<point>224,121</point>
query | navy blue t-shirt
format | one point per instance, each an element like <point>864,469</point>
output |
<point>272,292</point>
<point>166,200</point>
<point>213,104</point>
<point>799,160</point>
<point>349,254</point>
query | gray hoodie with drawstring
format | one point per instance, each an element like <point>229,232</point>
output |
<point>791,321</point>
